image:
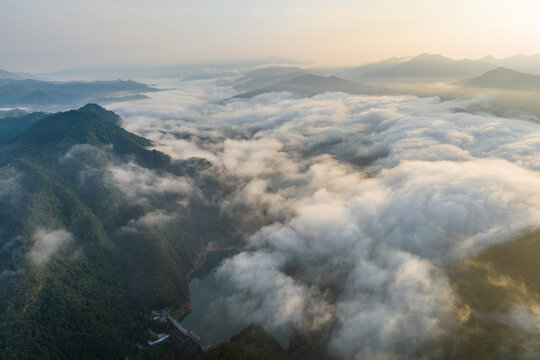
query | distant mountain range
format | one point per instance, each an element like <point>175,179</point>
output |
<point>430,66</point>
<point>420,66</point>
<point>522,63</point>
<point>303,84</point>
<point>42,94</point>
<point>306,82</point>
<point>381,77</point>
<point>9,75</point>
<point>268,76</point>
<point>505,79</point>
<point>424,75</point>
<point>433,67</point>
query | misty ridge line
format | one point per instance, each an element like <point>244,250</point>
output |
<point>519,62</point>
<point>512,90</point>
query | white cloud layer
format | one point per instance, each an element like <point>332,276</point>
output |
<point>151,219</point>
<point>369,199</point>
<point>47,243</point>
<point>10,187</point>
<point>135,181</point>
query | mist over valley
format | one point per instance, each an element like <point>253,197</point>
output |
<point>269,181</point>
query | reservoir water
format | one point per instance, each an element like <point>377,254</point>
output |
<point>209,317</point>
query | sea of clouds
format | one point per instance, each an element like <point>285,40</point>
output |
<point>365,200</point>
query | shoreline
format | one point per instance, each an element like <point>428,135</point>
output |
<point>211,247</point>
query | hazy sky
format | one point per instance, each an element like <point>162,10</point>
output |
<point>37,35</point>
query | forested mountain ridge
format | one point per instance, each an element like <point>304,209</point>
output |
<point>90,242</point>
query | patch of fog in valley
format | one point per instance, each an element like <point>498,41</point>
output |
<point>364,200</point>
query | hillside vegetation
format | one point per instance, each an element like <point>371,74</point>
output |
<point>80,264</point>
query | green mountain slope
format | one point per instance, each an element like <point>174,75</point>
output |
<point>499,292</point>
<point>79,269</point>
<point>55,134</point>
<point>13,126</point>
<point>105,114</point>
<point>58,132</point>
<point>252,343</point>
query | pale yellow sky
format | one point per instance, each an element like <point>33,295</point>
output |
<point>48,35</point>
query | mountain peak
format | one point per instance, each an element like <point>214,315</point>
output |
<point>504,79</point>
<point>488,59</point>
<point>427,56</point>
<point>501,70</point>
<point>102,112</point>
<point>90,124</point>
<point>93,107</point>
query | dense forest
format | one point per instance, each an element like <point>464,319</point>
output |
<point>81,267</point>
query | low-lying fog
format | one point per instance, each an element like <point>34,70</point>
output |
<point>367,200</point>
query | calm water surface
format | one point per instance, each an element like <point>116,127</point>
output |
<point>209,317</point>
<point>206,319</point>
